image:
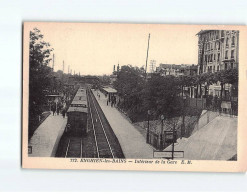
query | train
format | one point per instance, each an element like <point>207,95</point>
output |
<point>78,114</point>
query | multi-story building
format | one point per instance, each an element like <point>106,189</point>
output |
<point>177,70</point>
<point>217,50</point>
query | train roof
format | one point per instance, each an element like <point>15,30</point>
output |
<point>77,109</point>
<point>81,89</point>
<point>81,94</point>
<point>82,98</point>
<point>79,102</point>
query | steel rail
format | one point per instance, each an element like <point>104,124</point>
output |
<point>67,149</point>
<point>95,139</point>
<point>101,124</point>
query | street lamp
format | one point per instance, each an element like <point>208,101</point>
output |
<point>161,134</point>
<point>147,140</point>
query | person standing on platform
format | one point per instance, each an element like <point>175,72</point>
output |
<point>63,113</point>
<point>53,108</point>
<point>114,101</point>
<point>58,109</point>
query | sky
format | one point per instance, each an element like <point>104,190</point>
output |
<point>93,49</point>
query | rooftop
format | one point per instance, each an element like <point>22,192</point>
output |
<point>176,66</point>
<point>77,109</point>
<point>109,90</point>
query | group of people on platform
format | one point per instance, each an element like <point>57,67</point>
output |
<point>112,101</point>
<point>58,108</point>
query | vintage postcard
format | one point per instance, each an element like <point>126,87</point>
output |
<point>151,97</point>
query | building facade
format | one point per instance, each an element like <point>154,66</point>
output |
<point>218,50</point>
<point>177,70</point>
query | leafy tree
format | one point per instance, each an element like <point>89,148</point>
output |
<point>39,72</point>
<point>162,96</point>
<point>130,84</point>
<point>129,80</point>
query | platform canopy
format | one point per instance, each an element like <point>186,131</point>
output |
<point>109,90</point>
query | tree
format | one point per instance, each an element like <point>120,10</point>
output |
<point>130,84</point>
<point>229,76</point>
<point>39,72</point>
<point>162,96</point>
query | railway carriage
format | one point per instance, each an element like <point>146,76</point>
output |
<point>77,114</point>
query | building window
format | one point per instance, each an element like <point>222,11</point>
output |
<point>217,34</point>
<point>218,57</point>
<point>233,41</point>
<point>218,68</point>
<point>232,54</point>
<point>219,46</point>
<point>226,55</point>
<point>227,42</point>
<point>231,65</point>
<point>214,57</point>
<point>225,66</point>
<point>222,33</point>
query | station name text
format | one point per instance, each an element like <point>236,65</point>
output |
<point>136,161</point>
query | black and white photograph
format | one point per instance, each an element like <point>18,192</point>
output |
<point>132,92</point>
<point>123,96</point>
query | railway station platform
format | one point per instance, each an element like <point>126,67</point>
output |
<point>46,137</point>
<point>133,144</point>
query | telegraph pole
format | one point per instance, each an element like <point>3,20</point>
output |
<point>147,56</point>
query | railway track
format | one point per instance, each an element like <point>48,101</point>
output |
<point>100,140</point>
<point>74,148</point>
<point>102,143</point>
